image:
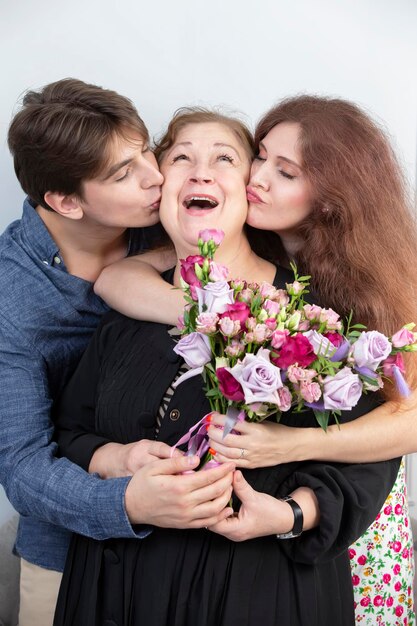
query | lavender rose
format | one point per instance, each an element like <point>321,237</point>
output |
<point>370,349</point>
<point>215,297</point>
<point>321,345</point>
<point>194,349</point>
<point>342,392</point>
<point>258,377</point>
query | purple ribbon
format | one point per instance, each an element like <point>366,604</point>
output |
<point>341,352</point>
<point>233,416</point>
<point>402,386</point>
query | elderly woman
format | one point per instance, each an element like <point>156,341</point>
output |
<point>122,392</point>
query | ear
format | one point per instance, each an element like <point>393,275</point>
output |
<point>66,205</point>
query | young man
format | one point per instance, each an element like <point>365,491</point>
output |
<point>81,154</point>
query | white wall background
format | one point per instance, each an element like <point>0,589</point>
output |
<point>242,53</point>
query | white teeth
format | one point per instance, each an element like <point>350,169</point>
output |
<point>195,200</point>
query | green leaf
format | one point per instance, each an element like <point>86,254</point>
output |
<point>322,418</point>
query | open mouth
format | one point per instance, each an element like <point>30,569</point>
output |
<point>202,203</point>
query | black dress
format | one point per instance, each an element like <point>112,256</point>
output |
<point>196,577</point>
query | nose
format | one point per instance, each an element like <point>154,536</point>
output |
<point>258,175</point>
<point>152,177</point>
<point>201,174</point>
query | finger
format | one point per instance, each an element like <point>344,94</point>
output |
<point>241,462</point>
<point>233,441</point>
<point>227,526</point>
<point>175,465</point>
<point>233,454</point>
<point>212,510</point>
<point>213,491</point>
<point>241,487</point>
<point>209,522</point>
<point>210,476</point>
<point>163,451</point>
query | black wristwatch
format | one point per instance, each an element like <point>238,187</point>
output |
<point>297,529</point>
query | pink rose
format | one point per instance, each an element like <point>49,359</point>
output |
<point>214,297</point>
<point>362,559</point>
<point>261,332</point>
<point>388,509</point>
<point>237,311</point>
<point>281,296</point>
<point>312,312</point>
<point>267,290</point>
<point>297,374</point>
<point>188,269</point>
<point>218,272</point>
<point>342,391</point>
<point>272,307</point>
<point>403,337</point>
<point>228,327</point>
<point>310,392</point>
<point>279,337</point>
<point>396,569</point>
<point>386,578</point>
<point>331,319</point>
<point>396,546</point>
<point>296,349</point>
<point>390,601</point>
<point>352,553</point>
<point>211,234</point>
<point>235,348</point>
<point>194,349</point>
<point>378,601</point>
<point>393,359</point>
<point>229,386</point>
<point>260,379</point>
<point>365,601</point>
<point>285,398</point>
<point>355,580</point>
<point>399,610</point>
<point>370,349</point>
<point>206,323</point>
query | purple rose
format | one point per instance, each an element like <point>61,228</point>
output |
<point>370,349</point>
<point>214,297</point>
<point>259,378</point>
<point>342,391</point>
<point>321,345</point>
<point>194,349</point>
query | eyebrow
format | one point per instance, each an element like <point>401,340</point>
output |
<point>215,145</point>
<point>283,158</point>
<point>114,168</point>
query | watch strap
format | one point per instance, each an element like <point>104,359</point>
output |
<point>297,528</point>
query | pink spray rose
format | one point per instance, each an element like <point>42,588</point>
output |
<point>342,391</point>
<point>272,307</point>
<point>218,272</point>
<point>206,323</point>
<point>209,234</point>
<point>228,327</point>
<point>237,311</point>
<point>296,349</point>
<point>194,349</point>
<point>309,391</point>
<point>331,319</point>
<point>285,398</point>
<point>403,337</point>
<point>370,349</point>
<point>279,337</point>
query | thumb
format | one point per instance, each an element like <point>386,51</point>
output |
<point>241,487</point>
<point>176,465</point>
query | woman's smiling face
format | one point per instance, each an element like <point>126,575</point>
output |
<point>205,173</point>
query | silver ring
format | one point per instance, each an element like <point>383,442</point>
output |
<point>242,453</point>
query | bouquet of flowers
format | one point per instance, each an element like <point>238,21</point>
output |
<point>263,351</point>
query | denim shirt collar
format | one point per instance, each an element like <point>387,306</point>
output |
<point>38,239</point>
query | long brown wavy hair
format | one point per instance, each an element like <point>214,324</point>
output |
<point>360,239</point>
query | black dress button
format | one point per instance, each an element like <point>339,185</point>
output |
<point>111,556</point>
<point>174,415</point>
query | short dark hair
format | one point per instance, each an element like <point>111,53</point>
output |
<point>62,135</point>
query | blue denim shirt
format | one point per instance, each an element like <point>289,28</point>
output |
<point>47,317</point>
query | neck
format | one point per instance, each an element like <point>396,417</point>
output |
<point>292,244</point>
<point>86,248</point>
<point>240,260</point>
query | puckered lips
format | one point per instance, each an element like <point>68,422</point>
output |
<point>200,202</point>
<point>252,196</point>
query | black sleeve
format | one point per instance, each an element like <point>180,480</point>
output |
<point>74,414</point>
<point>349,495</point>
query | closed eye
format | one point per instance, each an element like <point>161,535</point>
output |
<point>180,157</point>
<point>125,175</point>
<point>286,175</point>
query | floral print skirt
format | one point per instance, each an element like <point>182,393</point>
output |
<point>383,566</point>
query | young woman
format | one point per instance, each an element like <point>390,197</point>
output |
<point>354,232</point>
<point>185,575</point>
